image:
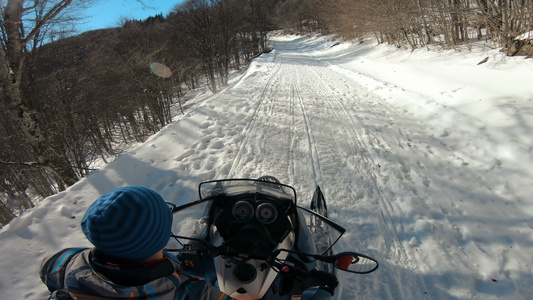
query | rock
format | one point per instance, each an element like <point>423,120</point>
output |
<point>483,61</point>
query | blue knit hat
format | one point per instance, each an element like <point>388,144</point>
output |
<point>130,224</point>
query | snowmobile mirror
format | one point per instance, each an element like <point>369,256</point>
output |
<point>171,206</point>
<point>174,208</point>
<point>354,262</point>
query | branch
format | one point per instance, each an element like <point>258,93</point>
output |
<point>52,13</point>
<point>36,164</point>
<point>29,164</point>
<point>25,9</point>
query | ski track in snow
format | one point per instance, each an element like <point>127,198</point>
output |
<point>409,175</point>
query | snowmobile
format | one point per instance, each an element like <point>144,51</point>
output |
<point>250,239</point>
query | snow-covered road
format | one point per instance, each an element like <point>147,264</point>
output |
<point>415,185</point>
<point>428,169</point>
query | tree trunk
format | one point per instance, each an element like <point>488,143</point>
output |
<point>12,61</point>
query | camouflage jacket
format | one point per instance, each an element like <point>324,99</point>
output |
<point>74,274</point>
<point>69,274</point>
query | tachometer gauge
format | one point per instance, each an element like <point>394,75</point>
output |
<point>242,211</point>
<point>266,213</point>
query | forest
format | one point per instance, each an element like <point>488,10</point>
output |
<point>69,100</point>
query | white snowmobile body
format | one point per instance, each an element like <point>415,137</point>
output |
<point>251,231</point>
<point>243,278</point>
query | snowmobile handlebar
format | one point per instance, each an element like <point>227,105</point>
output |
<point>352,262</point>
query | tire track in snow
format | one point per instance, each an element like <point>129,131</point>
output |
<point>240,158</point>
<point>455,256</point>
<point>291,168</point>
<point>303,131</point>
<point>313,154</point>
<point>313,122</point>
<point>316,96</point>
<point>315,131</point>
<point>365,166</point>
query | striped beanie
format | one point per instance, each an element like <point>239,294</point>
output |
<point>130,224</point>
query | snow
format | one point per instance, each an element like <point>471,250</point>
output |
<point>424,156</point>
<point>524,36</point>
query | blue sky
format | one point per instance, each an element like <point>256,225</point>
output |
<point>107,13</point>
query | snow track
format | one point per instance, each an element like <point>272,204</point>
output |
<point>309,125</point>
<point>317,122</point>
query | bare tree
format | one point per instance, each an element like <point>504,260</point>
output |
<point>199,21</point>
<point>12,59</point>
<point>416,23</point>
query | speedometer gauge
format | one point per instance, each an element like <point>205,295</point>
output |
<point>242,211</point>
<point>266,213</point>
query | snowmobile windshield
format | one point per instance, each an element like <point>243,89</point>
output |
<point>236,187</point>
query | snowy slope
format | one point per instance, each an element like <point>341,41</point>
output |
<point>425,157</point>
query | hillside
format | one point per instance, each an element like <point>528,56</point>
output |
<point>424,156</point>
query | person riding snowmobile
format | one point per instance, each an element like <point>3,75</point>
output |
<point>130,228</point>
